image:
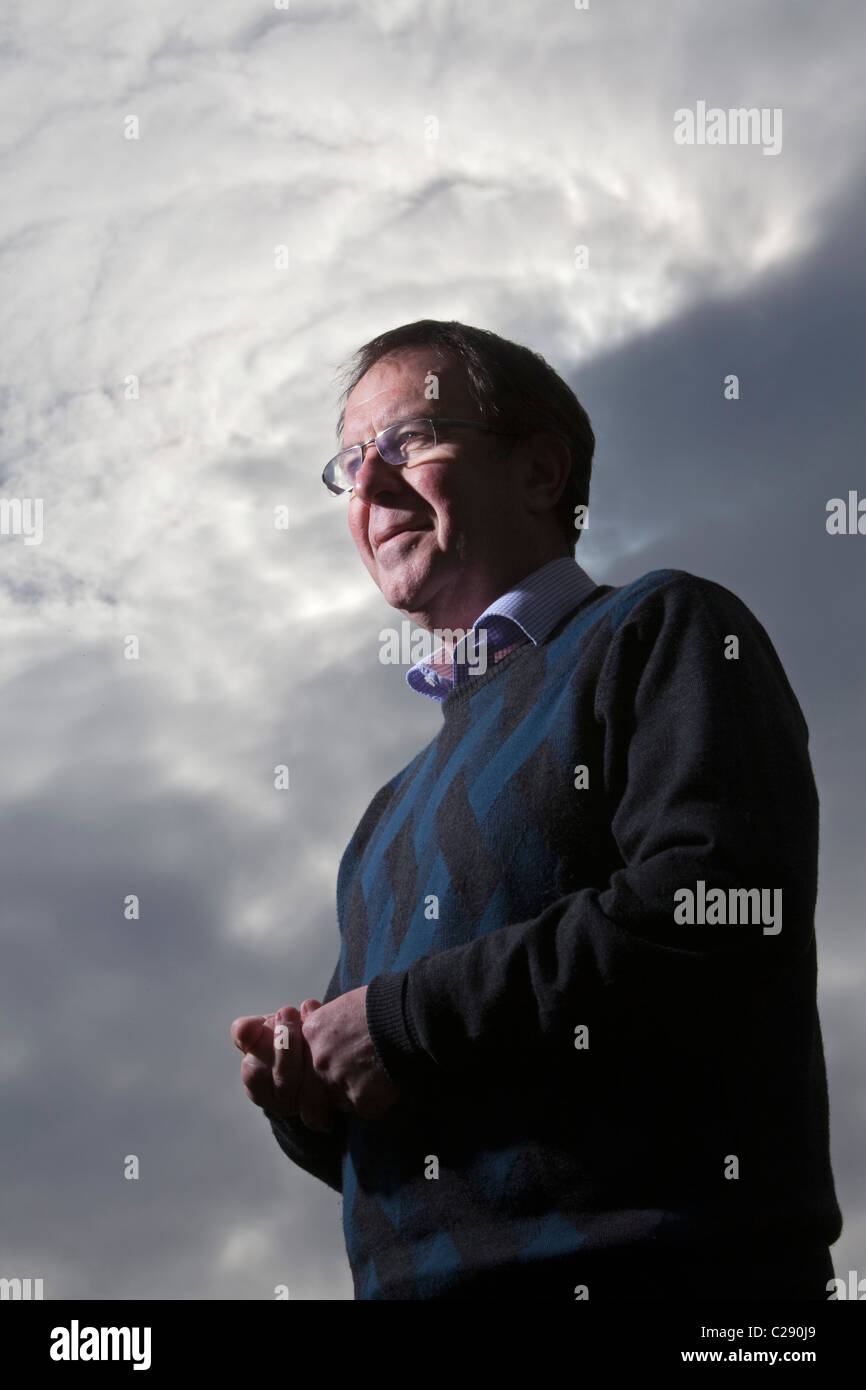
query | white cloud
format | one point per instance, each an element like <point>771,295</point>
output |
<point>154,258</point>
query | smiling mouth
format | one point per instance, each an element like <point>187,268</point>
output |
<point>398,535</point>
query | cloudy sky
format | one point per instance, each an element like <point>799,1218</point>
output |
<point>168,381</point>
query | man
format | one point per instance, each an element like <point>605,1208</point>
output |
<point>571,1047</point>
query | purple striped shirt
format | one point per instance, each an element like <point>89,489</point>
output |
<point>527,613</point>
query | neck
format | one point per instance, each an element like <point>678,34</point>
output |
<point>459,606</point>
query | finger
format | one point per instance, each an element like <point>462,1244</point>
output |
<point>262,1046</point>
<point>246,1030</point>
<point>258,1081</point>
<point>314,1100</point>
<point>288,1060</point>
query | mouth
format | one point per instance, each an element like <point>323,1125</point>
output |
<point>394,533</point>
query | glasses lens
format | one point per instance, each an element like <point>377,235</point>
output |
<point>407,442</point>
<point>339,472</point>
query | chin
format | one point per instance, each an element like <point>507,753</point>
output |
<point>401,591</point>
<point>403,599</point>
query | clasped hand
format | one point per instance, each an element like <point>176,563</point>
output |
<point>314,1062</point>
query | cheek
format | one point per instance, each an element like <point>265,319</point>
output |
<point>357,527</point>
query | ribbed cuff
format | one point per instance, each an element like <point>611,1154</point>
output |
<point>319,1152</point>
<point>402,1057</point>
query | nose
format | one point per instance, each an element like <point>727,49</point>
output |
<point>372,474</point>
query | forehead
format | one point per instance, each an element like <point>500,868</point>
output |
<point>418,381</point>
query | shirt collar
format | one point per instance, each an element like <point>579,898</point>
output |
<point>536,604</point>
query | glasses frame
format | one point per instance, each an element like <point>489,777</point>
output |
<point>358,450</point>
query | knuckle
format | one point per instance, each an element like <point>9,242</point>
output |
<point>288,1065</point>
<point>257,1094</point>
<point>284,1087</point>
<point>252,1071</point>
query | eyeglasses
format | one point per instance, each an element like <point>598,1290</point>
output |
<point>402,444</point>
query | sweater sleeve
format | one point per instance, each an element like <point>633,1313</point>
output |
<point>706,775</point>
<point>316,1151</point>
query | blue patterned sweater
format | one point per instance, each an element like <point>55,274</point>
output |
<point>577,1068</point>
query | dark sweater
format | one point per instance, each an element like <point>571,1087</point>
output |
<point>494,908</point>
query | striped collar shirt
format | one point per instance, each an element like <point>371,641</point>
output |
<point>527,613</point>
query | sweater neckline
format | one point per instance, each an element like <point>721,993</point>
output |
<point>465,691</point>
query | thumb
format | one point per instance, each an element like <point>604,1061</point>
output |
<point>247,1031</point>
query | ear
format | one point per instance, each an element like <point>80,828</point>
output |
<point>543,464</point>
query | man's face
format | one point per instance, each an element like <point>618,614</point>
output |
<point>456,511</point>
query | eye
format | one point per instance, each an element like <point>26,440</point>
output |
<point>413,438</point>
